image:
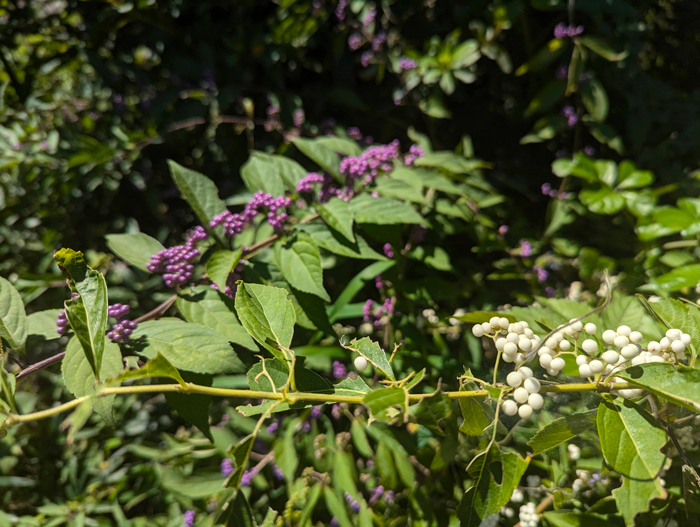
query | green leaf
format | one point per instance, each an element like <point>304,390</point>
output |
<point>451,162</point>
<point>336,213</point>
<point>547,97</point>
<point>220,265</point>
<point>595,99</point>
<point>290,171</point>
<point>87,313</point>
<point>240,514</point>
<point>321,155</point>
<point>268,315</point>
<point>384,211</point>
<point>432,410</point>
<point>374,354</point>
<point>631,440</point>
<point>286,453</point>
<point>356,285</point>
<point>477,413</point>
<point>679,278</point>
<point>80,380</point>
<point>203,305</point>
<point>350,386</point>
<point>336,508</point>
<point>199,191</point>
<point>630,177</point>
<point>675,314</point>
<point>157,367</point>
<point>378,401</point>
<point>466,54</point>
<point>300,262</point>
<point>196,486</point>
<point>628,311</point>
<point>240,453</point>
<point>13,319</point>
<point>359,439</point>
<point>575,519</point>
<point>332,241</point>
<point>600,47</point>
<point>276,372</point>
<point>394,188</point>
<point>136,248</point>
<point>384,461</point>
<point>561,430</point>
<point>486,496</point>
<point>341,145</point>
<point>602,201</point>
<point>261,174</point>
<point>675,383</point>
<point>580,166</point>
<point>187,346</point>
<point>606,134</point>
<point>544,57</point>
<point>193,407</point>
<point>310,504</point>
<point>43,324</point>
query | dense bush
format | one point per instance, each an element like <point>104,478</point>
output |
<point>543,174</point>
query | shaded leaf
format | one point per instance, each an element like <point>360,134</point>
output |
<point>336,213</point>
<point>300,262</point>
<point>43,324</point>
<point>561,430</point>
<point>135,248</point>
<point>374,354</point>
<point>220,265</point>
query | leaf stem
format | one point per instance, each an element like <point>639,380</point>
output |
<point>291,397</point>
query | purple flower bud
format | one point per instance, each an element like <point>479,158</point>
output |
<point>503,229</point>
<point>316,412</point>
<point>188,519</point>
<point>407,64</point>
<point>589,150</point>
<point>334,522</point>
<point>355,41</point>
<point>525,248</point>
<point>226,467</point>
<point>272,427</point>
<point>355,506</point>
<point>366,58</point>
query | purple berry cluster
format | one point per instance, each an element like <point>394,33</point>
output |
<point>247,477</point>
<point>571,115</point>
<point>354,41</point>
<point>235,223</point>
<point>121,331</point>
<point>407,64</point>
<point>388,251</point>
<point>230,290</point>
<point>376,315</point>
<point>413,153</point>
<point>367,165</point>
<point>525,248</point>
<point>306,183</point>
<point>541,272</point>
<point>339,370</point>
<point>379,40</point>
<point>176,262</point>
<point>563,30</point>
<point>226,467</point>
<point>118,310</point>
<point>277,472</point>
<point>354,504</point>
<point>62,323</point>
<point>366,57</point>
<point>189,518</point>
<point>547,190</point>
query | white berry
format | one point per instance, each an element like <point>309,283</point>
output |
<point>558,364</point>
<point>584,370</point>
<point>486,327</point>
<point>546,361</point>
<point>360,363</point>
<point>544,350</point>
<point>610,356</point>
<point>500,343</point>
<point>596,366</point>
<point>581,359</point>
<point>685,339</point>
<point>636,337</point>
<point>677,346</point>
<point>478,331</point>
<point>525,372</point>
<point>525,411</point>
<point>624,331</point>
<point>589,346</point>
<point>520,395</point>
<point>503,323</point>
<point>630,351</point>
<point>621,341</point>
<point>525,344</point>
<point>536,401</point>
<point>590,328</point>
<point>510,349</point>
<point>532,385</point>
<point>673,334</point>
<point>509,407</point>
<point>565,345</point>
<point>514,379</point>
<point>609,336</point>
<point>495,321</point>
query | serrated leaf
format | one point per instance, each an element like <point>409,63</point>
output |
<point>332,241</point>
<point>157,367</point>
<point>486,496</point>
<point>336,213</point>
<point>675,383</point>
<point>259,174</point>
<point>220,265</point>
<point>393,188</point>
<point>290,171</point>
<point>352,386</point>
<point>268,315</point>
<point>631,440</point>
<point>135,248</point>
<point>43,324</point>
<point>13,319</point>
<point>374,354</point>
<point>561,430</point>
<point>477,414</point>
<point>203,305</point>
<point>80,380</point>
<point>378,401</point>
<point>300,262</point>
<point>384,211</point>
<point>86,313</point>
<point>341,145</point>
<point>675,314</point>
<point>199,191</point>
<point>679,278</point>
<point>321,155</point>
<point>187,346</point>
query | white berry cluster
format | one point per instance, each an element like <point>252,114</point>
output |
<point>513,340</point>
<point>557,343</point>
<point>527,393</point>
<point>528,515</point>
